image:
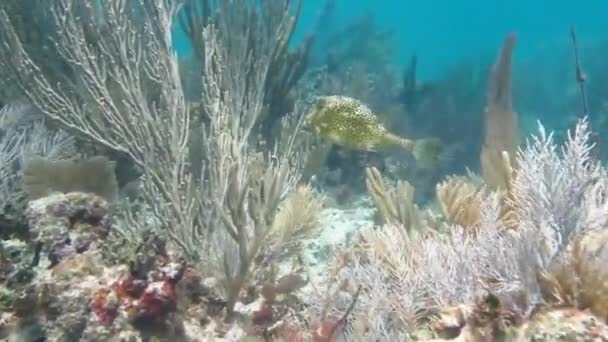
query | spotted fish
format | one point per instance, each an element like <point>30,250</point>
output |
<point>349,123</point>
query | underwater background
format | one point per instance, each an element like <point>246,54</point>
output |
<point>443,33</point>
<point>303,170</point>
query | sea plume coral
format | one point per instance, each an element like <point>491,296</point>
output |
<point>395,205</point>
<point>550,189</point>
<point>460,200</point>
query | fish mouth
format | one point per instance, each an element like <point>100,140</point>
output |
<point>308,126</point>
<point>307,120</point>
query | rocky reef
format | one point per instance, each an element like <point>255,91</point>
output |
<point>60,288</point>
<point>64,285</point>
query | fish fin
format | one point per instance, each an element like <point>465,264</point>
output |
<point>334,136</point>
<point>427,152</point>
<point>370,147</point>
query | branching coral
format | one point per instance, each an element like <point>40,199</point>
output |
<point>460,199</point>
<point>126,95</point>
<point>551,192</point>
<point>244,188</point>
<point>285,68</point>
<point>297,219</point>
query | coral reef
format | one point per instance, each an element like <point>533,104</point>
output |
<point>514,217</point>
<point>70,291</point>
<point>67,224</point>
<point>406,280</point>
<point>64,284</point>
<point>147,197</point>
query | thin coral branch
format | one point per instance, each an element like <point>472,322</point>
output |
<point>581,78</point>
<point>244,188</point>
<point>341,323</point>
<point>286,66</point>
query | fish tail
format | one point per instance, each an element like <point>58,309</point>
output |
<point>427,152</point>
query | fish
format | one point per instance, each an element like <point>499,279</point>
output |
<point>349,123</point>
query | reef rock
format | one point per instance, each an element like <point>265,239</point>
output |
<point>67,224</point>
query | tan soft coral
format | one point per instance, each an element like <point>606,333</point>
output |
<point>460,201</point>
<point>460,198</point>
<point>579,279</point>
<point>395,204</point>
<point>500,120</point>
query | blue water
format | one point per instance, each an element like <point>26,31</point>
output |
<point>444,31</point>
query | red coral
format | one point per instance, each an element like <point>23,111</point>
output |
<point>141,299</point>
<point>157,299</point>
<point>104,311</point>
<point>129,287</point>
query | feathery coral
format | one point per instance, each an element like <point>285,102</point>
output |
<point>298,218</point>
<point>395,205</point>
<point>460,201</point>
